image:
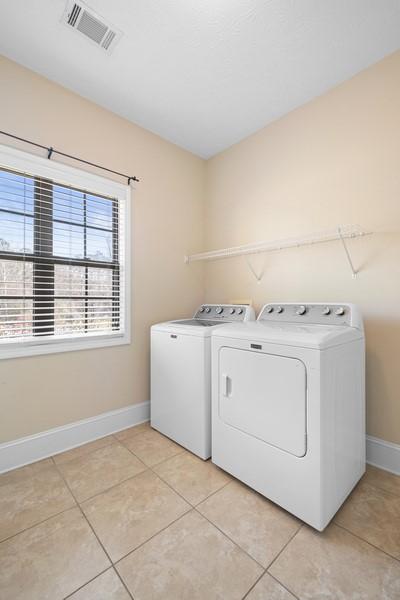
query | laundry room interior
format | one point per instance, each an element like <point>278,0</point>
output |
<point>199,291</point>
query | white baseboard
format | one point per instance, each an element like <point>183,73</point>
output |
<point>24,451</point>
<point>384,455</point>
<point>29,449</point>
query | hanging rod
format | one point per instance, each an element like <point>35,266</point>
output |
<point>50,151</point>
<point>340,233</point>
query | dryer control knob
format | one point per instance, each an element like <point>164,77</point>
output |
<point>301,310</point>
<point>202,309</point>
<point>339,311</point>
<point>326,310</point>
<point>239,311</point>
<point>208,309</point>
<point>232,311</point>
<point>219,310</point>
<point>269,309</point>
<point>279,309</point>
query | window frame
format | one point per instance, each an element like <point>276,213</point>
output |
<point>18,160</point>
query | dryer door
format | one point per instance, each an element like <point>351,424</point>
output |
<point>264,396</point>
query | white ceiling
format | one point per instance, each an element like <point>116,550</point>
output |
<point>204,73</point>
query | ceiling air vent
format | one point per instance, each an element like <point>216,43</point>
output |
<point>83,19</point>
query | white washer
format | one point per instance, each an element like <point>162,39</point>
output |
<point>288,405</point>
<point>181,374</point>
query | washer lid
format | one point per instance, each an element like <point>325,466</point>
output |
<point>198,327</point>
<point>290,334</point>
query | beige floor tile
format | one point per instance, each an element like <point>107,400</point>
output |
<point>382,479</point>
<point>129,514</point>
<point>269,589</point>
<point>23,472</point>
<point>100,470</point>
<point>374,515</point>
<point>193,478</point>
<point>83,450</point>
<point>106,586</point>
<point>257,525</point>
<point>152,447</point>
<point>131,432</point>
<point>191,559</point>
<point>51,560</point>
<point>29,496</point>
<point>336,565</point>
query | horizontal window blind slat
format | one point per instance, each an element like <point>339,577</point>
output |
<point>27,337</point>
<point>8,223</point>
<point>9,178</point>
<point>61,260</point>
<point>59,319</point>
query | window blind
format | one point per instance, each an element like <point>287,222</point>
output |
<point>61,260</point>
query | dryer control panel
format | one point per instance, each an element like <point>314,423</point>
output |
<point>225,312</point>
<point>317,314</point>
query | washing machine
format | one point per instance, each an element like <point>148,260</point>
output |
<point>181,374</point>
<point>288,405</point>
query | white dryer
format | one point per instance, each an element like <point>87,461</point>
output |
<point>288,405</point>
<point>181,374</point>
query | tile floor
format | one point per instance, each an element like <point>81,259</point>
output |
<point>135,516</point>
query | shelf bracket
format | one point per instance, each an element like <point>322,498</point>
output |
<point>252,269</point>
<point>346,250</point>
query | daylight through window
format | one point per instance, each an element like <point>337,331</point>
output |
<point>60,268</point>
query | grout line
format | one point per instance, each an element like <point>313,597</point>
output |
<point>161,461</point>
<point>190,507</point>
<point>284,547</point>
<point>254,585</point>
<point>40,522</point>
<point>88,522</point>
<point>75,505</point>
<point>112,486</point>
<point>283,585</point>
<point>213,494</point>
<point>115,564</point>
<point>53,456</point>
<point>87,582</point>
<point>366,541</point>
<point>194,507</point>
<point>230,539</point>
<point>122,581</point>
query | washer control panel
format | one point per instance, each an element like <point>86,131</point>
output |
<point>319,314</point>
<point>225,312</point>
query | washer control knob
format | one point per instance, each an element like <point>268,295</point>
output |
<point>279,309</point>
<point>208,309</point>
<point>202,309</point>
<point>239,311</point>
<point>232,311</point>
<point>326,310</point>
<point>219,310</point>
<point>269,309</point>
<point>339,311</point>
<point>301,310</point>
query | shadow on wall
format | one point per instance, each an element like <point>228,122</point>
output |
<point>382,376</point>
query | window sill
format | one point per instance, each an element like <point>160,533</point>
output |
<point>54,346</point>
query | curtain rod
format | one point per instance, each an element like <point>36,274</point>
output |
<point>51,150</point>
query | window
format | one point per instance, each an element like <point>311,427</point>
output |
<point>63,242</point>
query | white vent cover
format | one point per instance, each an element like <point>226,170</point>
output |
<point>83,19</point>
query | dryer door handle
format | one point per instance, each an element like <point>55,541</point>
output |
<point>226,385</point>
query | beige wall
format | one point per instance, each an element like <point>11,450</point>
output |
<point>335,160</point>
<point>167,222</point>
